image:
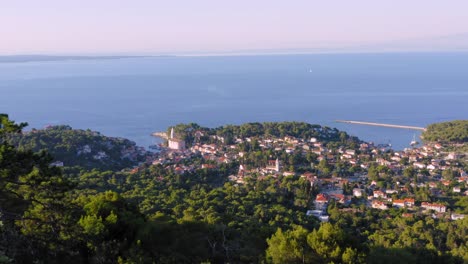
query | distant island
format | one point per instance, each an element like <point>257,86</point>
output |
<point>37,58</point>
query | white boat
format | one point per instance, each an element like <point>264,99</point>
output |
<point>414,142</point>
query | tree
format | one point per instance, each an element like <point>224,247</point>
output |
<point>324,167</point>
<point>36,206</point>
<point>9,126</point>
<point>109,225</point>
<point>453,131</point>
<point>289,247</point>
<point>350,256</point>
<point>448,174</point>
<point>373,173</point>
<point>327,242</point>
<point>409,172</point>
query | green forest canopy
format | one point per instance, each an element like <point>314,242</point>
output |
<point>453,131</point>
<point>68,145</point>
<point>49,215</point>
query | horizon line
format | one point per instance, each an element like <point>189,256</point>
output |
<point>227,53</point>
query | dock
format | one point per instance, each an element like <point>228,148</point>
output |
<point>381,125</point>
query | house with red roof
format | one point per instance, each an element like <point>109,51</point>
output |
<point>402,203</point>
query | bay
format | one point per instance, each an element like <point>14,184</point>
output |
<point>133,97</point>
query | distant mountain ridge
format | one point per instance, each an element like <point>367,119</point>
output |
<point>32,58</point>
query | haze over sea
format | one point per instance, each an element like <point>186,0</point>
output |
<point>134,97</point>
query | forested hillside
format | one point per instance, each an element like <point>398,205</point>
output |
<point>453,131</point>
<point>188,133</point>
<point>76,147</point>
<point>160,214</point>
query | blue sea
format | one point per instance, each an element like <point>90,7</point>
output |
<point>134,97</point>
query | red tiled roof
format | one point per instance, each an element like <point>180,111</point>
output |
<point>321,198</point>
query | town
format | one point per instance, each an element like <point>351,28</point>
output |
<point>418,180</point>
<point>243,192</point>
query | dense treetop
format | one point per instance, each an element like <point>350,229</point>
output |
<point>76,147</point>
<point>8,126</point>
<point>453,131</point>
<point>155,215</point>
<point>262,130</point>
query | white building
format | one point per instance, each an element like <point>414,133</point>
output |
<point>457,216</point>
<point>379,205</point>
<point>436,207</point>
<point>57,164</point>
<point>357,192</point>
<point>174,143</point>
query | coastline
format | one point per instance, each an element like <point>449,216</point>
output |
<point>162,135</point>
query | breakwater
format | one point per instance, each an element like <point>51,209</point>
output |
<point>381,125</point>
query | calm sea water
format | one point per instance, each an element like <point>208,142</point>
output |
<point>133,97</point>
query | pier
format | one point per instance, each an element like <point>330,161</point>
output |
<point>381,125</point>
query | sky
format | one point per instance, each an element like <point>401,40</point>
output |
<point>216,26</point>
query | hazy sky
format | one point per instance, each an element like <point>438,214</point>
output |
<point>176,26</point>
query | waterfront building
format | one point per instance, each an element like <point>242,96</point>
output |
<point>174,143</point>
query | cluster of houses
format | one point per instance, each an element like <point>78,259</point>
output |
<point>429,158</point>
<point>371,196</point>
<point>382,199</point>
<point>374,198</point>
<point>378,200</point>
<point>131,152</point>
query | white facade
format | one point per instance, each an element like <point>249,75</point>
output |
<point>174,143</point>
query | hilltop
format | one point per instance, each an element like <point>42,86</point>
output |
<point>447,132</point>
<point>77,147</point>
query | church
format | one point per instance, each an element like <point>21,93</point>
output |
<point>273,167</point>
<point>174,143</point>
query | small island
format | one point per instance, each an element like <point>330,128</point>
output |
<point>45,58</point>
